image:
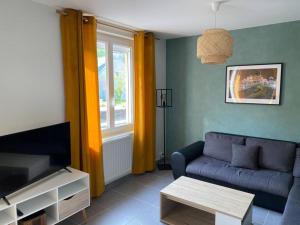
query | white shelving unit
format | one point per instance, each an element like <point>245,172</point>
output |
<point>71,189</point>
<point>7,216</point>
<point>60,195</point>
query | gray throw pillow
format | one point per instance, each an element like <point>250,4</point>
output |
<point>244,156</point>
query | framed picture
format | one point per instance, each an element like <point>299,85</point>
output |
<point>254,84</point>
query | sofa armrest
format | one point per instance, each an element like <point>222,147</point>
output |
<point>181,158</point>
<point>291,214</point>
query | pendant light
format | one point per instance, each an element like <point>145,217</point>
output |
<point>215,45</point>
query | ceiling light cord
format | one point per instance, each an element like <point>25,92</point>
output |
<point>215,19</point>
<point>215,6</point>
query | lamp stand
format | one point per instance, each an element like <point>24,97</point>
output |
<point>164,100</point>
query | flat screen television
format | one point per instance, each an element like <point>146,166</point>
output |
<point>29,156</point>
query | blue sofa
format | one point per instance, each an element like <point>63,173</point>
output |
<point>276,183</point>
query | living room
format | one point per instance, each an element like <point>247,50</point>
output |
<point>120,112</point>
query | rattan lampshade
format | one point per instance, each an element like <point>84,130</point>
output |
<point>214,46</point>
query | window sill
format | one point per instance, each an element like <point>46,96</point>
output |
<point>115,131</point>
<point>117,137</point>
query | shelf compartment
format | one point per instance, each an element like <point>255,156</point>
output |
<point>52,217</point>
<point>183,214</point>
<point>72,189</point>
<point>51,221</point>
<point>7,216</point>
<point>36,204</point>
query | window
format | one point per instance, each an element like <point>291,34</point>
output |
<point>115,71</point>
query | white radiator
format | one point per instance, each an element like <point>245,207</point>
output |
<point>117,157</point>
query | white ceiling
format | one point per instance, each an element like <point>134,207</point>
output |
<point>176,18</point>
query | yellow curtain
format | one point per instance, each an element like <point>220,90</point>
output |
<point>144,108</point>
<point>79,44</point>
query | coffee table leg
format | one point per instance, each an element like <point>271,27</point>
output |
<point>222,219</point>
<point>248,216</point>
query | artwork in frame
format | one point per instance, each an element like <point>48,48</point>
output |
<point>254,84</point>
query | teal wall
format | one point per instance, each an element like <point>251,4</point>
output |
<point>199,89</point>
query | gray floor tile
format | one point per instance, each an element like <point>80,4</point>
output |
<point>148,195</point>
<point>129,188</point>
<point>67,222</point>
<point>259,215</point>
<point>109,217</point>
<point>121,212</point>
<point>135,199</point>
<point>107,199</point>
<point>154,181</point>
<point>273,218</point>
<point>147,218</point>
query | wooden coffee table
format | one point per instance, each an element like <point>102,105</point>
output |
<point>188,201</point>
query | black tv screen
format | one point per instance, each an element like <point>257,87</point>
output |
<point>29,156</point>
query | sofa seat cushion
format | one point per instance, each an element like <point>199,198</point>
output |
<point>273,182</point>
<point>219,146</point>
<point>297,182</point>
<point>273,154</point>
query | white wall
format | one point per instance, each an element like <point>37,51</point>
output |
<point>31,74</point>
<point>160,63</point>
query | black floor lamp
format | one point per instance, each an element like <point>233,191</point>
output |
<point>164,100</point>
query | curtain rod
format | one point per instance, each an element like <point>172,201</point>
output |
<point>62,12</point>
<point>116,26</point>
<point>120,28</point>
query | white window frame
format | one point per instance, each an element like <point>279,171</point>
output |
<point>109,41</point>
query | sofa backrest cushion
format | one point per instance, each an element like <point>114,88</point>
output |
<point>296,171</point>
<point>219,146</point>
<point>273,154</point>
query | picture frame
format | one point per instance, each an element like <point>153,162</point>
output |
<point>254,84</point>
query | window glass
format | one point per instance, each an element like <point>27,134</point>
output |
<point>115,84</point>
<point>102,73</point>
<point>121,73</point>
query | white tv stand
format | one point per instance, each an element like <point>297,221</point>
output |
<point>60,195</point>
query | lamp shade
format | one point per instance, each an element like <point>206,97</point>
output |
<point>214,46</point>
